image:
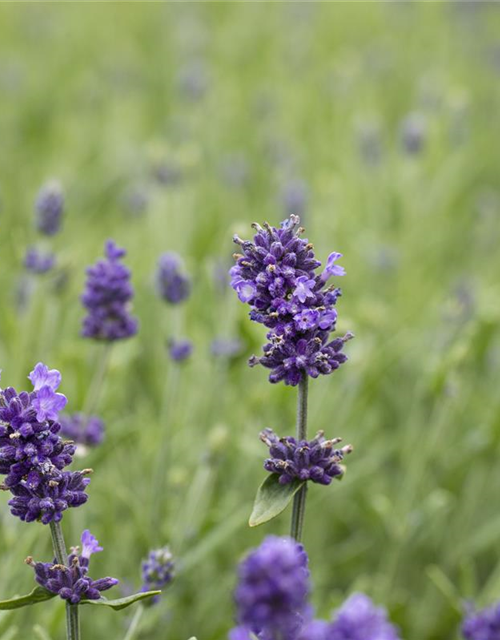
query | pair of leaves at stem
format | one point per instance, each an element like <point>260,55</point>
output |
<point>273,498</point>
<point>39,594</point>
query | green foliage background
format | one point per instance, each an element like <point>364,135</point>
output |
<point>90,94</point>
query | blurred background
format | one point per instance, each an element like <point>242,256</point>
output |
<point>171,127</point>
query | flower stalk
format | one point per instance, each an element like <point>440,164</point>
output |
<point>72,613</point>
<point>299,501</point>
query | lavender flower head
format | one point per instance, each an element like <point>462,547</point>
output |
<point>49,206</point>
<point>157,571</point>
<point>315,460</point>
<point>107,297</point>
<point>32,453</point>
<point>84,430</point>
<point>360,619</point>
<point>180,350</point>
<point>482,625</point>
<point>71,582</point>
<point>172,284</point>
<point>277,275</point>
<point>38,262</point>
<point>271,596</point>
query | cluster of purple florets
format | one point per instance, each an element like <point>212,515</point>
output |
<point>49,207</point>
<point>482,625</point>
<point>316,460</point>
<point>272,600</point>
<point>32,453</point>
<point>107,296</point>
<point>81,429</point>
<point>157,571</point>
<point>38,262</point>
<point>172,283</point>
<point>276,274</point>
<point>71,582</point>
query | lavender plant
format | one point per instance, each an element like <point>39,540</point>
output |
<point>483,624</point>
<point>278,275</point>
<point>272,601</point>
<point>33,458</point>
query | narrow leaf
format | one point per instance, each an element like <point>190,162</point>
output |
<point>122,603</point>
<point>39,594</point>
<point>272,498</point>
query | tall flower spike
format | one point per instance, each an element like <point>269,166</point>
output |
<point>107,297</point>
<point>271,596</point>
<point>173,285</point>
<point>157,571</point>
<point>49,208</point>
<point>277,275</point>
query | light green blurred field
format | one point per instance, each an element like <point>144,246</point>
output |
<point>90,94</point>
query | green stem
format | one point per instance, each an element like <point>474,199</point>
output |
<point>134,625</point>
<point>96,385</point>
<point>72,617</point>
<point>299,501</point>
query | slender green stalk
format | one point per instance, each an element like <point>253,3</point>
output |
<point>72,613</point>
<point>134,625</point>
<point>96,385</point>
<point>299,501</point>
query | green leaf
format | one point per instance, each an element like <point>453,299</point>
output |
<point>39,594</point>
<point>122,603</point>
<point>272,498</point>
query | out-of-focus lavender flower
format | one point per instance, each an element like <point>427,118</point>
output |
<point>38,262</point>
<point>82,429</point>
<point>107,297</point>
<point>49,207</point>
<point>294,197</point>
<point>136,200</point>
<point>157,571</point>
<point>32,453</point>
<point>167,173</point>
<point>483,624</point>
<point>180,350</point>
<point>172,283</point>
<point>276,274</point>
<point>71,582</point>
<point>315,460</point>
<point>359,619</point>
<point>273,589</point>
<point>226,347</point>
<point>193,80</point>
<point>413,133</point>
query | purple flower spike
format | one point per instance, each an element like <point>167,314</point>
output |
<point>83,430</point>
<point>180,350</point>
<point>172,284</point>
<point>38,262</point>
<point>157,571</point>
<point>331,268</point>
<point>273,589</point>
<point>47,404</point>
<point>482,625</point>
<point>49,207</point>
<point>90,545</point>
<point>107,298</point>
<point>360,619</point>
<point>276,275</point>
<point>42,376</point>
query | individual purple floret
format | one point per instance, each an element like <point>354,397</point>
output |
<point>82,429</point>
<point>226,347</point>
<point>315,459</point>
<point>180,350</point>
<point>272,592</point>
<point>482,625</point>
<point>71,582</point>
<point>157,571</point>
<point>49,208</point>
<point>173,285</point>
<point>278,275</point>
<point>107,297</point>
<point>32,453</point>
<point>359,619</point>
<point>38,262</point>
